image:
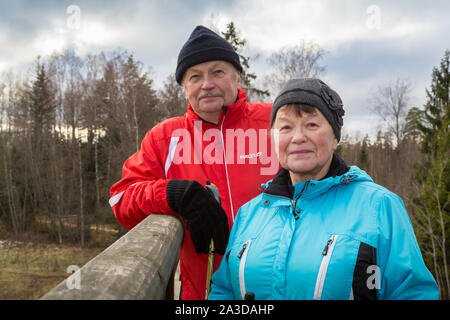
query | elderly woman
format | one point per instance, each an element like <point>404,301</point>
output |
<point>320,229</point>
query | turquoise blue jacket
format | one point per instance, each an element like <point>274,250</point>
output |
<point>343,237</point>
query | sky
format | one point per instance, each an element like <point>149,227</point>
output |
<point>368,43</point>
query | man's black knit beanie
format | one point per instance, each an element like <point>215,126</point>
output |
<point>316,93</point>
<point>205,45</point>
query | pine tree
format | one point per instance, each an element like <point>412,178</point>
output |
<point>433,174</point>
<point>247,78</point>
<point>42,105</point>
<point>411,131</point>
<point>39,101</point>
<point>364,155</point>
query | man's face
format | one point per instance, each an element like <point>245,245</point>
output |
<point>209,86</point>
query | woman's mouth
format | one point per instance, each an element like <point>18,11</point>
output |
<point>300,152</point>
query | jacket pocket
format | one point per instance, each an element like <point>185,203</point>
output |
<point>335,276</point>
<point>242,255</point>
<point>326,253</point>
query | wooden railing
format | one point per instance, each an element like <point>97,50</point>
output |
<point>139,265</point>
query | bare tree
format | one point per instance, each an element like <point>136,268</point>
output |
<point>8,186</point>
<point>66,75</point>
<point>298,61</point>
<point>92,118</point>
<point>64,135</point>
<point>172,101</point>
<point>128,109</point>
<point>391,103</point>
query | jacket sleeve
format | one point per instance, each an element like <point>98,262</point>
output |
<point>142,189</point>
<point>404,275</point>
<point>221,288</point>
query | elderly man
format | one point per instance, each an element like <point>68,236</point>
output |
<point>222,138</point>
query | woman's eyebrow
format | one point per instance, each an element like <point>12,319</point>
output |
<point>284,118</point>
<point>304,115</point>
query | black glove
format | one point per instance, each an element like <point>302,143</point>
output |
<point>205,217</point>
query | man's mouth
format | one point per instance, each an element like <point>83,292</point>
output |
<point>210,95</point>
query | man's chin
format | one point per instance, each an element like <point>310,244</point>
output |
<point>211,106</point>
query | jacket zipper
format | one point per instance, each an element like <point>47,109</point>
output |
<point>243,256</point>
<point>326,252</point>
<point>294,201</point>
<point>226,167</point>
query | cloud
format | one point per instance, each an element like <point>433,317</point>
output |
<point>368,43</point>
<point>365,51</point>
<point>270,25</point>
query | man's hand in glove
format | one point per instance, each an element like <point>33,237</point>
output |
<point>205,217</point>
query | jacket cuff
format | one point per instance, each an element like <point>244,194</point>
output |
<point>175,189</point>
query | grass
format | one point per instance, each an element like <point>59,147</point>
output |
<point>28,271</point>
<point>32,264</point>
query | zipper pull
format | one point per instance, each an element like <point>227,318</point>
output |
<point>249,296</point>
<point>294,202</point>
<point>325,250</point>
<point>242,250</point>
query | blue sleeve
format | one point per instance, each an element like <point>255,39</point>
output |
<point>221,283</point>
<point>404,275</point>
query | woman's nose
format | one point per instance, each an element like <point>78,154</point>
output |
<point>299,136</point>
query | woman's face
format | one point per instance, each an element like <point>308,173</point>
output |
<point>305,143</point>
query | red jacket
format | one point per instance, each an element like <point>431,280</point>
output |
<point>189,148</point>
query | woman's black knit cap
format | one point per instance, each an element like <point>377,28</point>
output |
<point>316,93</point>
<point>205,45</point>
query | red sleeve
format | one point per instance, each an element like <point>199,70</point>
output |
<point>142,189</point>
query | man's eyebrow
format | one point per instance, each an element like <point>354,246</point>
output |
<point>218,63</point>
<point>192,70</point>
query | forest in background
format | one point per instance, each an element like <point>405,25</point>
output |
<point>68,126</point>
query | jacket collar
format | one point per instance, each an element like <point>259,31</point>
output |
<point>339,172</point>
<point>229,115</point>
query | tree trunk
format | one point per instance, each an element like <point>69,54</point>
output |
<point>9,191</point>
<point>81,195</point>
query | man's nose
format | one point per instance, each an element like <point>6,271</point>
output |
<point>208,83</point>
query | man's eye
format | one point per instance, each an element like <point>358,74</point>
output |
<point>194,76</point>
<point>218,71</point>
